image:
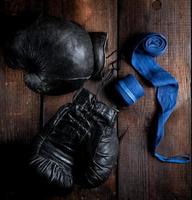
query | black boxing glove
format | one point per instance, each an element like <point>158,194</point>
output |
<point>98,154</point>
<point>53,150</point>
<point>84,127</point>
<point>58,56</point>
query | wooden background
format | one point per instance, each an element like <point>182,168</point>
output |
<point>138,176</point>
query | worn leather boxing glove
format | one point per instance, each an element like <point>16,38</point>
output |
<point>78,143</point>
<point>99,152</point>
<point>53,150</point>
<point>58,55</point>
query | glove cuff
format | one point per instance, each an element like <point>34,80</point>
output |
<point>88,102</point>
<point>99,42</point>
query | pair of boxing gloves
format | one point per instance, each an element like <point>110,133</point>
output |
<point>78,144</point>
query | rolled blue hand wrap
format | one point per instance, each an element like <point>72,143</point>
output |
<point>149,46</point>
<point>130,89</point>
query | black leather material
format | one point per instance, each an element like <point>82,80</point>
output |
<point>99,41</point>
<point>57,55</point>
<point>79,137</point>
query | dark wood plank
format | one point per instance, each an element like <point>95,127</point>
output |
<point>140,175</point>
<point>19,112</point>
<point>94,16</point>
<point>19,105</point>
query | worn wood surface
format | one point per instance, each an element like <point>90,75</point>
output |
<point>138,176</point>
<point>19,116</point>
<point>147,178</point>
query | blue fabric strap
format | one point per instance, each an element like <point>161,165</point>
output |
<point>129,89</point>
<point>148,47</point>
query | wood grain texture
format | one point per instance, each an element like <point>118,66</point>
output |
<point>93,16</point>
<point>19,105</point>
<point>19,113</point>
<point>23,112</point>
<point>140,175</point>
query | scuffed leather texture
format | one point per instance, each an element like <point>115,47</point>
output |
<point>102,153</point>
<point>78,145</point>
<point>52,151</point>
<point>58,55</point>
<point>99,41</point>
